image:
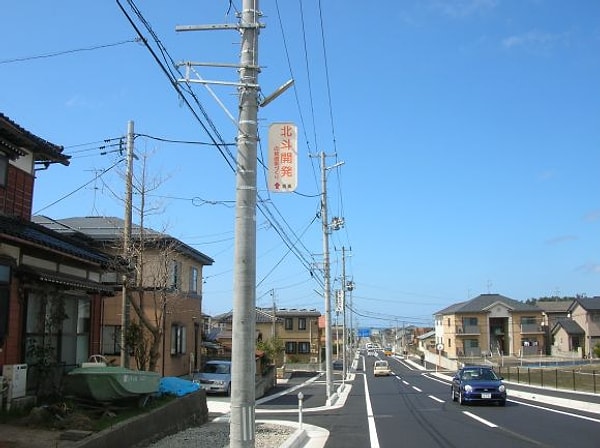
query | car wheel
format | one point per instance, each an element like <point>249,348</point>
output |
<point>453,394</point>
<point>461,399</point>
<point>228,392</point>
<point>502,403</point>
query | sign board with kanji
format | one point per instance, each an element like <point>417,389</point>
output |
<point>283,157</point>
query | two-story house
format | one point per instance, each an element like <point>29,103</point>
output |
<point>297,329</point>
<point>489,324</point>
<point>553,311</point>
<point>50,285</point>
<point>300,334</point>
<point>166,288</point>
<point>585,312</point>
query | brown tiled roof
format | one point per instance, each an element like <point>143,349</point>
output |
<point>20,230</point>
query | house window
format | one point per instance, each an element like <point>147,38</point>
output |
<point>3,170</point>
<point>289,323</point>
<point>303,347</point>
<point>448,321</point>
<point>471,343</point>
<point>290,348</point>
<point>175,274</point>
<point>302,323</point>
<point>111,340</point>
<point>470,321</point>
<point>449,342</point>
<point>4,301</point>
<point>178,336</point>
<point>528,320</point>
<point>193,279</point>
<point>60,326</point>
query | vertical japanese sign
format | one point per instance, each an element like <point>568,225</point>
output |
<point>283,157</point>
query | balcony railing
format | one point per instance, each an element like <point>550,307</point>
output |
<point>467,330</point>
<point>531,328</point>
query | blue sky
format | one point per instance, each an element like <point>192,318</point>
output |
<point>469,132</point>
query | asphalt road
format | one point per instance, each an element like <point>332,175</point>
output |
<point>413,408</point>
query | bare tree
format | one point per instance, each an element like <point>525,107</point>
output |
<point>150,289</point>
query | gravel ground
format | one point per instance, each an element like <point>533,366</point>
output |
<point>216,435</point>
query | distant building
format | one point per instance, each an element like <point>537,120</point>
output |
<point>489,323</point>
<point>297,329</point>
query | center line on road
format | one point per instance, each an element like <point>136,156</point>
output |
<point>417,389</point>
<point>481,420</point>
<point>435,398</point>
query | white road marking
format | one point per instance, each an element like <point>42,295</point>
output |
<point>570,414</point>
<point>417,389</point>
<point>370,417</point>
<point>479,419</point>
<point>436,399</point>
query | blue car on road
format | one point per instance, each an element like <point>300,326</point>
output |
<point>478,384</point>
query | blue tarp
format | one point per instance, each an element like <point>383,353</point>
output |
<point>177,386</point>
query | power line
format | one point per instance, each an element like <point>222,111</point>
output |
<point>61,53</point>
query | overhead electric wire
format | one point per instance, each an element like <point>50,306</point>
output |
<point>61,53</point>
<point>229,157</point>
<point>171,77</point>
<point>187,142</point>
<point>81,187</point>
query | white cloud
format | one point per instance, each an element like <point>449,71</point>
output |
<point>462,8</point>
<point>533,38</point>
<point>590,267</point>
<point>592,216</point>
<point>561,239</point>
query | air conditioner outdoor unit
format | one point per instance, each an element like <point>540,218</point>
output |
<point>16,375</point>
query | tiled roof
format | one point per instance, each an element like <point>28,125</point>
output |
<point>62,279</point>
<point>29,232</point>
<point>297,312</point>
<point>483,302</point>
<point>110,229</point>
<point>569,325</point>
<point>588,304</point>
<point>13,138</point>
<point>550,306</point>
<point>262,317</point>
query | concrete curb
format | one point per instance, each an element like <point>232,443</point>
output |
<point>296,440</point>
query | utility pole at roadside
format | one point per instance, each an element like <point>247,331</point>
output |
<point>336,224</point>
<point>243,366</point>
<point>125,306</point>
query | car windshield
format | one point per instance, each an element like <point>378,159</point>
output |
<point>479,374</point>
<point>217,368</point>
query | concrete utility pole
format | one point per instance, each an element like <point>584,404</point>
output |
<point>337,223</point>
<point>344,334</point>
<point>127,245</point>
<point>327,286</point>
<point>243,369</point>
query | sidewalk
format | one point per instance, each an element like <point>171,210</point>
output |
<point>283,399</point>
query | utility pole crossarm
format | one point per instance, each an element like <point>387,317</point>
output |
<point>225,26</point>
